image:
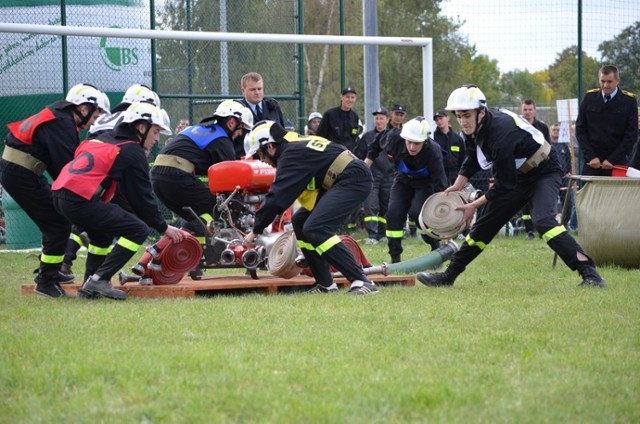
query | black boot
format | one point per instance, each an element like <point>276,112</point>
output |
<point>435,244</point>
<point>438,279</point>
<point>590,277</point>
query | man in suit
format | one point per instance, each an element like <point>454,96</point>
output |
<point>252,88</point>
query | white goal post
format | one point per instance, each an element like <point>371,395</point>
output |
<point>76,31</point>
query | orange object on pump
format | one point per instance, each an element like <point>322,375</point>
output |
<point>250,175</point>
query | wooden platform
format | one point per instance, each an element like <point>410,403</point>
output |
<point>232,284</point>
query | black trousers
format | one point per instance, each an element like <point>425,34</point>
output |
<point>103,222</point>
<point>317,230</point>
<point>407,198</point>
<point>33,194</point>
<point>177,189</point>
<point>540,187</point>
<point>376,206</point>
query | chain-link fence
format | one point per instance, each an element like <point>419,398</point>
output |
<point>473,42</point>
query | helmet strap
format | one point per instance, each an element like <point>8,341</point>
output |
<point>84,119</point>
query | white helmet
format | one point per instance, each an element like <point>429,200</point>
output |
<point>148,112</point>
<point>314,115</point>
<point>416,130</point>
<point>258,137</point>
<point>141,93</point>
<point>230,108</point>
<point>86,93</point>
<point>247,117</point>
<point>467,97</point>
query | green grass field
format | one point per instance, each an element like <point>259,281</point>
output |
<point>514,341</point>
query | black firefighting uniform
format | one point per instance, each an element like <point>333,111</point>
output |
<point>202,146</point>
<point>526,210</point>
<point>101,219</point>
<point>453,147</point>
<point>105,122</point>
<point>302,164</point>
<point>53,143</point>
<point>377,203</point>
<point>606,130</point>
<point>417,178</point>
<point>502,141</point>
<point>340,127</point>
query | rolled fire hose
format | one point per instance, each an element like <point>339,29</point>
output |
<point>282,257</point>
<point>171,261</point>
<point>182,256</point>
<point>438,217</point>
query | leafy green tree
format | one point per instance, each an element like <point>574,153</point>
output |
<point>518,85</point>
<point>624,52</point>
<point>563,74</point>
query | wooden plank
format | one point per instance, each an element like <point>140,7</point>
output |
<point>236,284</point>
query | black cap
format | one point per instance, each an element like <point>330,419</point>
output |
<point>349,89</point>
<point>277,132</point>
<point>399,108</point>
<point>380,111</point>
<point>439,113</point>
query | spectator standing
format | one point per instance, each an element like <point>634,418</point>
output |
<point>82,192</point>
<point>607,124</point>
<point>340,124</point>
<point>517,155</point>
<point>377,203</point>
<point>312,123</point>
<point>398,114</point>
<point>43,142</point>
<point>528,112</point>
<point>451,144</point>
<point>419,174</point>
<point>262,108</point>
<point>330,183</point>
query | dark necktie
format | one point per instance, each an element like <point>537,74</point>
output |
<point>607,97</point>
<point>259,112</point>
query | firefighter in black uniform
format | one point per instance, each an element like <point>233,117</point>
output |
<point>330,183</point>
<point>83,190</point>
<point>176,171</point>
<point>517,153</point>
<point>43,142</point>
<point>340,124</point>
<point>377,204</point>
<point>106,122</point>
<point>451,144</point>
<point>419,174</point>
<point>607,125</point>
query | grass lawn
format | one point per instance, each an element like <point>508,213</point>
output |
<point>514,341</point>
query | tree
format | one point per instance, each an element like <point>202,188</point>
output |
<point>517,86</point>
<point>563,74</point>
<point>624,52</point>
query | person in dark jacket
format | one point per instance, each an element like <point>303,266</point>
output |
<point>340,124</point>
<point>451,144</point>
<point>43,142</point>
<point>330,183</point>
<point>377,203</point>
<point>525,169</point>
<point>607,124</point>
<point>419,174</point>
<point>83,190</point>
<point>177,169</point>
<point>262,108</point>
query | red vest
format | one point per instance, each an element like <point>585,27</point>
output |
<point>23,130</point>
<point>91,165</point>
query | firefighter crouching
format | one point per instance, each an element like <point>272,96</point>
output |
<point>43,142</point>
<point>86,184</point>
<point>525,169</point>
<point>330,184</point>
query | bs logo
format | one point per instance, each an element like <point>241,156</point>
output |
<point>117,57</point>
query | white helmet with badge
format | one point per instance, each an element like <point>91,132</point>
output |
<point>417,130</point>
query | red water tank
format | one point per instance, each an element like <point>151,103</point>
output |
<point>250,175</point>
